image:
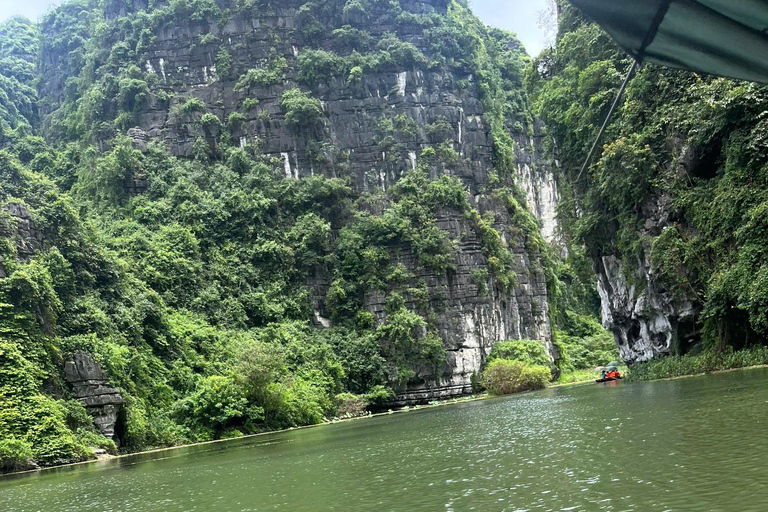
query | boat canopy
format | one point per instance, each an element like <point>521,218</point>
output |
<point>719,37</point>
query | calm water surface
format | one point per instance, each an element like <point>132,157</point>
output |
<point>690,444</point>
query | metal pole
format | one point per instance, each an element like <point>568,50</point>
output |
<point>632,69</point>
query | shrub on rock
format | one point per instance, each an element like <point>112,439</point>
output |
<point>503,377</point>
<point>15,455</point>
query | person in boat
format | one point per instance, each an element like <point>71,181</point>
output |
<point>602,373</point>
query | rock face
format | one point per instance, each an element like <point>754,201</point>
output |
<point>89,385</point>
<point>646,319</point>
<point>536,179</point>
<point>361,138</point>
<point>471,320</point>
<point>18,225</point>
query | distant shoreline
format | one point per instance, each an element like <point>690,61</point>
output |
<point>439,403</point>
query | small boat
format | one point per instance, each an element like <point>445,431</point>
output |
<point>611,369</point>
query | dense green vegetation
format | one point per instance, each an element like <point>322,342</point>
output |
<point>192,293</point>
<point>18,51</point>
<point>516,365</point>
<point>694,143</point>
<point>584,342</point>
<point>506,376</point>
<point>530,352</point>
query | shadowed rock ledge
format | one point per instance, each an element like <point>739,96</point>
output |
<point>89,385</point>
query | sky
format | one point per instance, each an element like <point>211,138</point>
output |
<point>518,16</point>
<point>32,9</point>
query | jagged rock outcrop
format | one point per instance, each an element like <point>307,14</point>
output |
<point>18,225</point>
<point>646,319</point>
<point>21,227</point>
<point>139,138</point>
<point>89,384</point>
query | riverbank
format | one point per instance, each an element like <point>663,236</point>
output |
<point>673,367</point>
<point>709,361</point>
<point>437,403</point>
<point>570,379</point>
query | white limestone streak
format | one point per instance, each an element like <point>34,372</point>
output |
<point>209,78</point>
<point>461,120</point>
<point>287,165</point>
<point>322,320</point>
<point>402,78</point>
<point>162,69</point>
<point>542,198</point>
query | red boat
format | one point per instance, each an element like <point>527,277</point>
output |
<point>609,372</point>
<point>607,379</point>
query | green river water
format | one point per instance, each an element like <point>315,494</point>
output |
<point>699,443</point>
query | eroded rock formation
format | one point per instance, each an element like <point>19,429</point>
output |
<point>646,319</point>
<point>89,384</point>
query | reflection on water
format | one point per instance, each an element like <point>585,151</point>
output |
<point>688,444</point>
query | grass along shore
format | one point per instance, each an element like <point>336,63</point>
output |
<point>707,361</point>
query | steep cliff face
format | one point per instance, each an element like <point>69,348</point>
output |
<point>671,209</point>
<point>470,317</point>
<point>179,65</point>
<point>536,178</point>
<point>390,97</point>
<point>647,317</point>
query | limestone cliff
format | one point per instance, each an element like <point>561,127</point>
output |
<point>218,78</point>
<point>646,317</point>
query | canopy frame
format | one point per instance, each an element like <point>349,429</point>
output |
<point>717,37</point>
<point>637,62</point>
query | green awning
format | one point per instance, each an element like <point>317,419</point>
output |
<point>719,37</point>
